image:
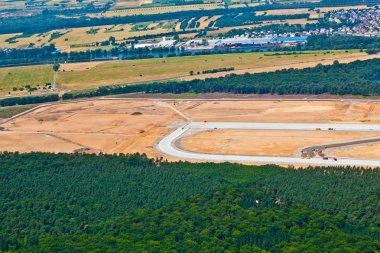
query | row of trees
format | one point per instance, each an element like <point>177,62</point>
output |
<point>29,100</point>
<point>129,203</point>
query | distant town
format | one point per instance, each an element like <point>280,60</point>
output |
<point>365,22</point>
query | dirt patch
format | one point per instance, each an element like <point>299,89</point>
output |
<point>360,152</point>
<point>262,142</point>
<point>104,126</point>
<point>79,66</point>
<point>28,142</point>
<point>281,111</point>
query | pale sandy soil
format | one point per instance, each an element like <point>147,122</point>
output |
<point>108,126</point>
<point>281,111</point>
<point>27,142</point>
<point>263,143</point>
<point>103,126</point>
<point>362,151</point>
<point>79,66</point>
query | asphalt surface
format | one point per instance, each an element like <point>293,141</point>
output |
<point>167,144</point>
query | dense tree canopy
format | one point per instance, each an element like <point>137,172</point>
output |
<point>325,42</point>
<point>128,203</point>
<point>29,100</point>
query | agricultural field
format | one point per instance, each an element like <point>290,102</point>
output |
<point>76,76</point>
<point>313,13</point>
<point>6,4</point>
<point>283,12</point>
<point>120,4</point>
<point>300,21</point>
<point>85,37</point>
<point>127,8</point>
<point>136,125</point>
<point>21,4</point>
<point>163,9</point>
<point>79,76</point>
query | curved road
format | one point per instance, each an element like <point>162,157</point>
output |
<point>167,144</point>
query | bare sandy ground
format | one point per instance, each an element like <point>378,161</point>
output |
<point>27,142</point>
<point>101,126</point>
<point>263,143</point>
<point>136,125</point>
<point>363,151</point>
<point>281,111</point>
<point>79,66</point>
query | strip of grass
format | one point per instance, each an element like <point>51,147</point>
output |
<point>11,111</point>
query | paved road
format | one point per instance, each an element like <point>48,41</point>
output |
<point>167,144</point>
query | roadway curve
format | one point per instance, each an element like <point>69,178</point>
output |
<point>167,144</point>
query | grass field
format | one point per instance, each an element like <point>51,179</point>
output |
<point>10,111</point>
<point>77,75</point>
<point>85,75</point>
<point>21,76</point>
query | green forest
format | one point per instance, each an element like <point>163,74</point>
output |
<point>129,203</point>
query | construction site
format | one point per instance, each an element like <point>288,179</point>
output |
<point>312,131</point>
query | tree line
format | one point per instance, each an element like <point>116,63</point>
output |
<point>29,100</point>
<point>336,42</point>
